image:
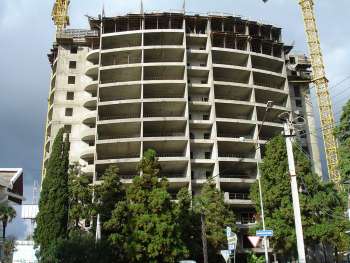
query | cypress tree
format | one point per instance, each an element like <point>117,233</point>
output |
<point>52,218</point>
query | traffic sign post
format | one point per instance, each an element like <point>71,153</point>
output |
<point>264,233</point>
<point>225,254</point>
<point>231,242</point>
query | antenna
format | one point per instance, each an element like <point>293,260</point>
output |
<point>35,192</point>
<point>141,8</point>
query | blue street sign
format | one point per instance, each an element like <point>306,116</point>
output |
<point>231,247</point>
<point>264,233</point>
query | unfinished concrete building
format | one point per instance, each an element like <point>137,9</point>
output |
<point>193,87</point>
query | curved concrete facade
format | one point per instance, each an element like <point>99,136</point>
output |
<point>194,88</point>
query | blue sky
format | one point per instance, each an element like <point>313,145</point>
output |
<point>26,34</point>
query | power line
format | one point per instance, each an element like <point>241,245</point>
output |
<point>306,190</point>
<point>340,82</point>
<point>339,92</point>
<point>308,156</point>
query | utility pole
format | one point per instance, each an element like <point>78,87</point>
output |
<point>269,105</point>
<point>204,238</point>
<point>263,217</point>
<point>288,134</point>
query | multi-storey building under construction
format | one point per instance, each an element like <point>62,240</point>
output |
<point>196,88</point>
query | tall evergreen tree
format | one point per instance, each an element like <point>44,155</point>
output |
<point>108,194</point>
<point>321,205</point>
<point>80,197</point>
<point>52,218</point>
<point>215,217</point>
<point>342,131</point>
<point>150,232</point>
<point>190,227</point>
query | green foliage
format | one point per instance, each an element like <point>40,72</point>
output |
<point>321,205</point>
<point>80,247</point>
<point>80,196</point>
<point>190,225</point>
<point>108,193</point>
<point>7,213</point>
<point>145,225</point>
<point>8,249</point>
<point>342,132</point>
<point>217,214</point>
<point>52,218</point>
<point>252,258</point>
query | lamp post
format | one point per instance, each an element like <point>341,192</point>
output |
<point>269,105</point>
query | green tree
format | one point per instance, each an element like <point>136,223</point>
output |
<point>190,227</point>
<point>80,196</point>
<point>81,247</point>
<point>108,194</point>
<point>321,205</point>
<point>215,217</point>
<point>342,132</point>
<point>149,231</point>
<point>8,249</point>
<point>252,258</point>
<point>52,218</point>
<point>7,213</point>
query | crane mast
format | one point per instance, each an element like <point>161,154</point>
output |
<point>60,14</point>
<point>321,84</point>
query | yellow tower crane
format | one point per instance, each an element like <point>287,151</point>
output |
<point>60,14</point>
<point>321,84</point>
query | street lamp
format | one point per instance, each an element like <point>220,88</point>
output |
<point>269,105</point>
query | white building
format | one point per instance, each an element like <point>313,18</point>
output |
<point>11,185</point>
<point>24,252</point>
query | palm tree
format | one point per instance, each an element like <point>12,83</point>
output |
<point>7,213</point>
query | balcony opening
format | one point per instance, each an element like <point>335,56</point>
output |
<point>235,130</point>
<point>164,129</point>
<point>242,43</point>
<point>217,24</point>
<point>276,34</point>
<point>267,48</point>
<point>266,32</point>
<point>254,30</point>
<point>242,170</point>
<point>229,24</point>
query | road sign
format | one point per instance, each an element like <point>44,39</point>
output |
<point>225,254</point>
<point>231,239</point>
<point>264,233</point>
<point>231,247</point>
<point>254,240</point>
